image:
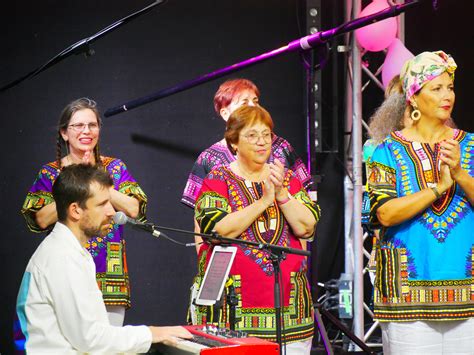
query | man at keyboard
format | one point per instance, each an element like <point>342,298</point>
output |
<point>59,306</point>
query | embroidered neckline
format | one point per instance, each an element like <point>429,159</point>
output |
<point>241,178</point>
<point>400,136</point>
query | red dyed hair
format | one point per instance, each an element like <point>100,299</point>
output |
<point>229,89</point>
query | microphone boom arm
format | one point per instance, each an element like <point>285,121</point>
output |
<point>302,44</point>
<point>81,46</point>
<point>214,236</point>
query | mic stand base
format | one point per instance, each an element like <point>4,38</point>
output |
<point>322,331</point>
<point>318,310</point>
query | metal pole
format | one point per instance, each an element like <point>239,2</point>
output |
<point>357,180</point>
<point>348,245</point>
<point>401,21</point>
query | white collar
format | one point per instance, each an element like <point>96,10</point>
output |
<point>63,233</point>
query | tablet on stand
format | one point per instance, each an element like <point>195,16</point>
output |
<point>216,275</point>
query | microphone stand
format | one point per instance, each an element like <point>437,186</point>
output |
<point>82,46</point>
<point>232,301</point>
<point>302,44</point>
<point>277,254</point>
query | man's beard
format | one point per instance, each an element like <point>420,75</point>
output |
<point>95,231</point>
<point>91,232</point>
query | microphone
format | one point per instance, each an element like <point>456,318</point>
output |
<point>121,218</point>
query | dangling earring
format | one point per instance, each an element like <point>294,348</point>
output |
<point>415,115</point>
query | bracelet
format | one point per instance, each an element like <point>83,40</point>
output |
<point>284,201</point>
<point>436,192</point>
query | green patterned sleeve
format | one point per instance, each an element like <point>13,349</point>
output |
<point>134,190</point>
<point>39,195</point>
<point>297,190</point>
<point>125,183</point>
<point>212,204</point>
<point>303,197</point>
<point>210,209</point>
<point>381,181</point>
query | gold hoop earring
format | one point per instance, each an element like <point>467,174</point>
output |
<point>415,115</point>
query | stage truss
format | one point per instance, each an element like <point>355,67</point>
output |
<point>356,256</point>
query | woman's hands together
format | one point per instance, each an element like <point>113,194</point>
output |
<point>450,167</point>
<point>274,184</point>
<point>451,156</point>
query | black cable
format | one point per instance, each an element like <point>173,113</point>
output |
<point>162,235</point>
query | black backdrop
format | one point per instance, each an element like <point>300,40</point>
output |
<point>160,141</point>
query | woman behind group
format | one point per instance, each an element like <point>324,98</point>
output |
<point>421,191</point>
<point>256,201</point>
<point>78,131</point>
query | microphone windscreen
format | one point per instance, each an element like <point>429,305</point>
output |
<point>120,218</point>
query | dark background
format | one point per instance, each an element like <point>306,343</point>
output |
<point>159,142</point>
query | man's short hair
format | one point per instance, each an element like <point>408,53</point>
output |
<point>73,185</point>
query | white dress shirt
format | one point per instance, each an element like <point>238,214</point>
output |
<point>60,307</point>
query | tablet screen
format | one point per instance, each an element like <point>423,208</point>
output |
<point>216,275</point>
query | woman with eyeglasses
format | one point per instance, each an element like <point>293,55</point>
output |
<point>231,95</point>
<point>262,202</point>
<point>79,132</point>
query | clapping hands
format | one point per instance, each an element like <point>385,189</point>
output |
<point>450,166</point>
<point>87,157</point>
<point>274,183</point>
<point>451,156</point>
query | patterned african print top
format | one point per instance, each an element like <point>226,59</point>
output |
<point>108,251</point>
<point>219,154</point>
<point>224,192</point>
<point>425,264</point>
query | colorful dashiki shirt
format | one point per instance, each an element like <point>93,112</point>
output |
<point>424,265</point>
<point>108,251</point>
<point>252,276</point>
<point>219,154</point>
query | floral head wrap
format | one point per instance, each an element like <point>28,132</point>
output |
<point>423,68</point>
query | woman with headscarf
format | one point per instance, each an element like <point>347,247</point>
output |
<point>421,189</point>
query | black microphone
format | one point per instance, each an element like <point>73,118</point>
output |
<point>121,218</point>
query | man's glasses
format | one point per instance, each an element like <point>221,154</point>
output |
<point>79,127</point>
<point>253,137</point>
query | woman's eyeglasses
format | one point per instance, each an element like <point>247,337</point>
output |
<point>253,137</point>
<point>79,127</point>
